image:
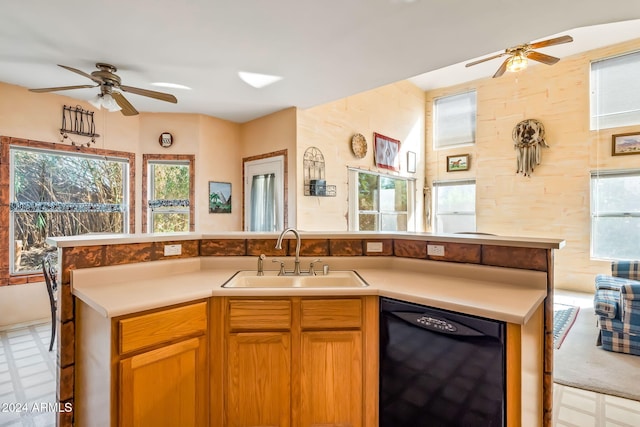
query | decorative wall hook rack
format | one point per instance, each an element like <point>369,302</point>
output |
<point>78,121</point>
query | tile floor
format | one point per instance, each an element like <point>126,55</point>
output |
<point>27,388</point>
<point>27,377</point>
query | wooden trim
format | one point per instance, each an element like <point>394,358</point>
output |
<point>285,179</point>
<point>145,193</point>
<point>514,375</point>
<point>5,143</point>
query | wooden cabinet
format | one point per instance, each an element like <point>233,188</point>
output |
<point>331,392</point>
<point>298,361</point>
<point>148,369</point>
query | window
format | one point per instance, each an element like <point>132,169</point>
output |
<point>380,202</point>
<point>56,194</point>
<point>614,91</point>
<point>454,206</point>
<point>169,196</point>
<point>454,120</point>
<point>615,214</point>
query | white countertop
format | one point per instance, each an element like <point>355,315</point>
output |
<point>509,295</point>
<point>112,239</point>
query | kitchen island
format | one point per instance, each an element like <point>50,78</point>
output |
<point>506,279</point>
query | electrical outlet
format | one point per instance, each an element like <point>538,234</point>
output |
<point>374,246</point>
<point>435,250</point>
<point>171,250</point>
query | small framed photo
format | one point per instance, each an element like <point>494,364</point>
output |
<point>625,143</point>
<point>458,163</point>
<point>386,152</point>
<point>411,162</point>
<point>219,197</point>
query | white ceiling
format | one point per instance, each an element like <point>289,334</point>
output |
<point>324,49</point>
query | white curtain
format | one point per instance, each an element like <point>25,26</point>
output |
<point>263,203</point>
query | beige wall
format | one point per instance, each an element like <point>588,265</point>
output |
<point>395,110</point>
<point>215,142</point>
<point>554,201</point>
<point>274,132</point>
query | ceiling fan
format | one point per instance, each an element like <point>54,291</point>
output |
<point>111,99</point>
<point>518,55</point>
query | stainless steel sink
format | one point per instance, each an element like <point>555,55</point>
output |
<point>335,279</point>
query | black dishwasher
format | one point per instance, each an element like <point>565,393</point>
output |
<point>439,368</point>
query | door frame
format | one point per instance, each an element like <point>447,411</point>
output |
<point>285,183</point>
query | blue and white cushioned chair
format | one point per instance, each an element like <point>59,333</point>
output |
<point>617,305</point>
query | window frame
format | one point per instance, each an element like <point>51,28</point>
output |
<point>604,174</point>
<point>437,114</point>
<point>436,213</point>
<point>354,211</point>
<point>7,275</point>
<point>181,159</point>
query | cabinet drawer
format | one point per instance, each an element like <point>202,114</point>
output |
<point>161,326</point>
<point>331,313</point>
<point>259,314</point>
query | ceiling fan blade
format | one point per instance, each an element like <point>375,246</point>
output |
<point>150,93</point>
<point>55,89</point>
<point>489,58</point>
<point>541,57</point>
<point>502,68</point>
<point>551,42</point>
<point>127,108</point>
<point>82,73</point>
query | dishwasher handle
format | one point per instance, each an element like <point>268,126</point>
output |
<point>436,324</point>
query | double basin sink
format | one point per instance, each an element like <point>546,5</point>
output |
<point>271,279</point>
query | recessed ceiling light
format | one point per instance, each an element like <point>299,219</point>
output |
<point>258,80</point>
<point>171,85</point>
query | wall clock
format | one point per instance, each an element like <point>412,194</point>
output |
<point>165,140</point>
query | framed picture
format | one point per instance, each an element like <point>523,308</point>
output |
<point>386,152</point>
<point>625,143</point>
<point>219,197</point>
<point>411,162</point>
<point>458,163</point>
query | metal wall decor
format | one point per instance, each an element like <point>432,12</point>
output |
<point>314,178</point>
<point>78,121</point>
<point>528,136</point>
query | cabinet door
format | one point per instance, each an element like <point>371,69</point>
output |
<point>165,387</point>
<point>259,379</point>
<point>331,379</point>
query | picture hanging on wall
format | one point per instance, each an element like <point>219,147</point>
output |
<point>625,143</point>
<point>458,163</point>
<point>411,162</point>
<point>219,197</point>
<point>386,152</point>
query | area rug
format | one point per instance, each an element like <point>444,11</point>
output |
<point>563,318</point>
<point>581,364</point>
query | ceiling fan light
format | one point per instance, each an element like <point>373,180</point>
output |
<point>517,62</point>
<point>96,101</point>
<point>109,103</point>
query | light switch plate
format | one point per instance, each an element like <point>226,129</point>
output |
<point>435,250</point>
<point>170,250</point>
<point>374,246</point>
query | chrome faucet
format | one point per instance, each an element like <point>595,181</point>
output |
<point>296,265</point>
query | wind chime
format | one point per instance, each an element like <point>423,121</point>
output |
<point>528,138</point>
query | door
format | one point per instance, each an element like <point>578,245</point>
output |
<point>264,194</point>
<point>165,387</point>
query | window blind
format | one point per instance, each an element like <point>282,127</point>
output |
<point>455,120</point>
<point>614,91</point>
